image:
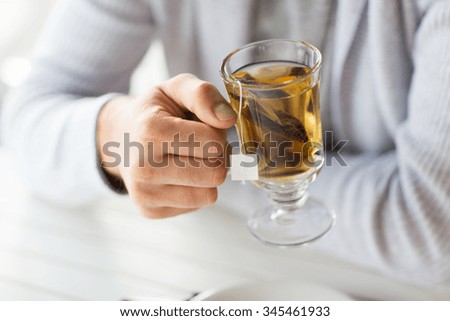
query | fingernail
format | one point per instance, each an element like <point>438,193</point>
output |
<point>224,112</point>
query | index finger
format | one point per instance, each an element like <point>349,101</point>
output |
<point>201,98</point>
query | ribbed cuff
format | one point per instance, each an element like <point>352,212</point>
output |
<point>100,183</point>
<point>114,183</point>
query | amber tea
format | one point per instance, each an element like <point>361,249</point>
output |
<point>280,123</point>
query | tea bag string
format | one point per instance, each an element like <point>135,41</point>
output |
<point>240,133</point>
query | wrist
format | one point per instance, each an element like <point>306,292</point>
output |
<point>110,129</point>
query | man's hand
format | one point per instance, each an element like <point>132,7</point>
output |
<point>183,108</point>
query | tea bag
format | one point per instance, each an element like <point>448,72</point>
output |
<point>244,167</point>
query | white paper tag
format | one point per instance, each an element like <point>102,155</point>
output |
<point>244,167</point>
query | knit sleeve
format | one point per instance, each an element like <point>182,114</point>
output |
<point>88,51</point>
<point>393,211</point>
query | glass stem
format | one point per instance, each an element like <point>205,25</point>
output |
<point>288,201</point>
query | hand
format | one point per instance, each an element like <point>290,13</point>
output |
<point>175,110</point>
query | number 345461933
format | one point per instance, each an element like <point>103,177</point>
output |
<point>297,311</point>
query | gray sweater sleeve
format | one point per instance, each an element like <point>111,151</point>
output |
<point>393,211</point>
<point>89,49</point>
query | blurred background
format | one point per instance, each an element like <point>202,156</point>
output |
<point>21,23</point>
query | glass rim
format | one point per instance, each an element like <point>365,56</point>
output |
<point>230,79</point>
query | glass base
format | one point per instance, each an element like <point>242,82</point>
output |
<point>291,224</point>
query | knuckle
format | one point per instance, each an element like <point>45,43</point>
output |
<point>149,124</point>
<point>212,196</point>
<point>219,175</point>
<point>138,172</point>
<point>146,199</point>
<point>133,186</point>
<point>204,89</point>
<point>137,196</point>
<point>188,210</point>
<point>191,177</point>
<point>192,198</point>
<point>152,213</point>
<point>157,198</point>
<point>184,76</point>
<point>149,175</point>
<point>215,138</point>
<point>156,94</point>
<point>148,121</point>
<point>150,137</point>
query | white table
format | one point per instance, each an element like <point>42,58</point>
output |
<point>108,252</point>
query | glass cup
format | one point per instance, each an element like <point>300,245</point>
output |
<point>273,86</point>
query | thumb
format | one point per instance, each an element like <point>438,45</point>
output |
<point>201,98</point>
